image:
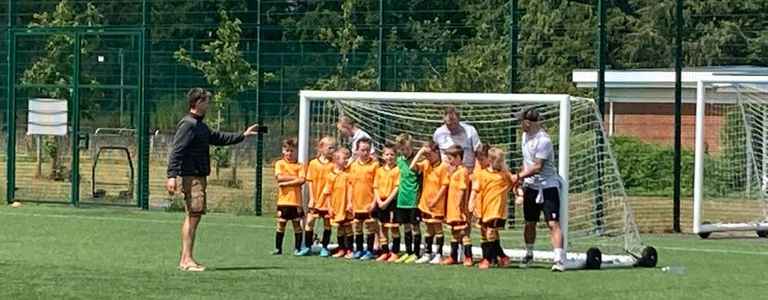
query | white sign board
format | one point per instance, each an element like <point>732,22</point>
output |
<point>47,117</point>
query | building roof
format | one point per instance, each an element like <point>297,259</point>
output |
<point>662,78</point>
<point>658,85</point>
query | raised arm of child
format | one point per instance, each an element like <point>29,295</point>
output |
<point>417,158</point>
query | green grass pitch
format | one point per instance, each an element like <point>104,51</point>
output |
<point>56,252</point>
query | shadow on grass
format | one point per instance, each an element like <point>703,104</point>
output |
<point>218,269</point>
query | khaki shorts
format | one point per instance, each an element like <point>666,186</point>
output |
<point>193,188</point>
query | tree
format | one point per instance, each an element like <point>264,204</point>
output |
<point>343,37</point>
<point>227,71</point>
<point>54,66</point>
<point>482,63</point>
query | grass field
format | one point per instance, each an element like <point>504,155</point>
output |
<point>56,252</point>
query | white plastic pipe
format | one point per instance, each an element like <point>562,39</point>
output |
<point>303,129</point>
<point>563,164</point>
<point>698,174</point>
<point>304,138</point>
<point>734,227</point>
<point>433,97</point>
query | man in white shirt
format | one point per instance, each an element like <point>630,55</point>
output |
<point>454,132</point>
<point>349,130</point>
<point>541,187</point>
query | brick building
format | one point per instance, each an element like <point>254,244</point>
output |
<point>640,103</point>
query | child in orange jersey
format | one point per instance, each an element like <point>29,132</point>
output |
<point>481,166</point>
<point>385,191</point>
<point>338,191</point>
<point>290,177</point>
<point>456,210</point>
<point>362,172</point>
<point>318,170</point>
<point>432,201</point>
<point>494,186</point>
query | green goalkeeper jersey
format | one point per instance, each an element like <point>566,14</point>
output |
<point>408,188</point>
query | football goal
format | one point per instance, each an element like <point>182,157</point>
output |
<point>597,220</point>
<point>731,169</point>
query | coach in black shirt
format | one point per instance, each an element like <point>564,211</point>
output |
<point>190,160</point>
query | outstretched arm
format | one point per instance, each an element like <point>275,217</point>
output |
<point>532,170</point>
<point>224,139</point>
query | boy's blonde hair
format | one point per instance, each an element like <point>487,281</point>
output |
<point>496,159</point>
<point>326,140</point>
<point>403,141</point>
<point>342,151</point>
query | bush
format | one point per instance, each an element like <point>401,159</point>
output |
<point>647,169</point>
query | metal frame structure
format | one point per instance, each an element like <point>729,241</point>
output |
<point>78,32</point>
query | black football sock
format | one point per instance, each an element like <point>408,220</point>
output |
<point>468,250</point>
<point>370,241</point>
<point>440,240</point>
<point>484,247</point>
<point>341,240</point>
<point>326,238</point>
<point>417,244</point>
<point>358,242</point>
<point>396,245</point>
<point>297,240</point>
<point>350,242</point>
<point>409,243</point>
<point>428,240</point>
<point>499,249</point>
<point>455,251</point>
<point>492,255</point>
<point>308,238</point>
<point>279,241</point>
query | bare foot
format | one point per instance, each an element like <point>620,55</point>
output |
<point>190,262</point>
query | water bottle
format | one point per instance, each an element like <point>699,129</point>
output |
<point>676,270</point>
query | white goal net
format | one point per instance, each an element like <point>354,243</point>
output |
<point>731,175</point>
<point>598,213</point>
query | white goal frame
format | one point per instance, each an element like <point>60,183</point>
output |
<point>306,97</point>
<point>698,180</point>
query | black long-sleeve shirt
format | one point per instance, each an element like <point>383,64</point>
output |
<point>190,155</point>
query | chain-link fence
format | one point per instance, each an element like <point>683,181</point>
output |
<point>388,45</point>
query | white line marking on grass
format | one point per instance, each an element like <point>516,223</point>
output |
<point>721,251</point>
<point>133,220</point>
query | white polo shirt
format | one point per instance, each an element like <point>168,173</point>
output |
<point>467,138</point>
<point>539,146</point>
<point>356,136</point>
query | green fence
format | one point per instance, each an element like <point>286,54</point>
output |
<point>391,45</point>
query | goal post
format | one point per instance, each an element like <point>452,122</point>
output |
<point>731,144</point>
<point>573,123</point>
